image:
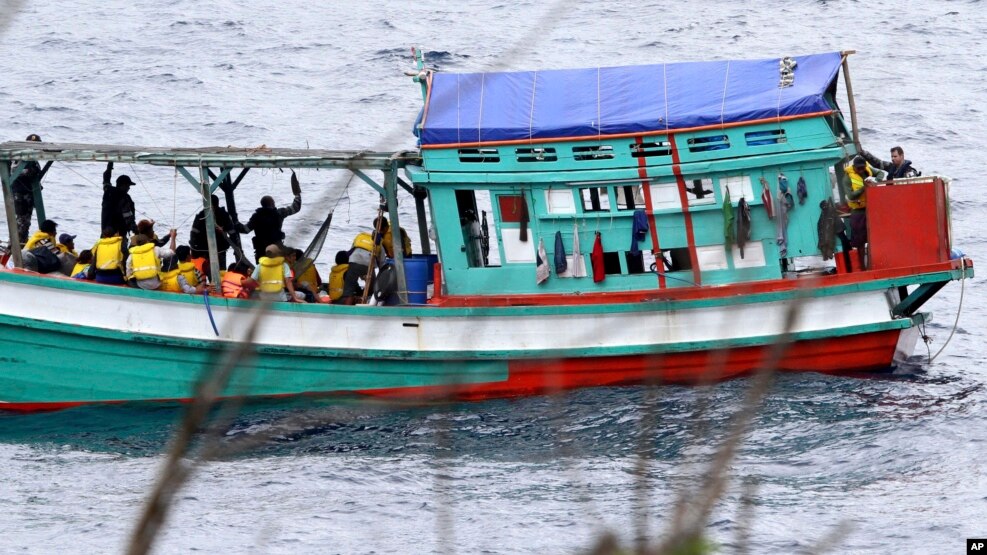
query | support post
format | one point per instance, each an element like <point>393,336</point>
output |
<point>422,221</point>
<point>204,190</point>
<point>8,206</point>
<point>849,93</point>
<point>390,187</point>
<point>39,201</point>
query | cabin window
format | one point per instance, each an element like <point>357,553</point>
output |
<point>479,155</point>
<point>479,229</point>
<point>740,187</point>
<point>595,199</point>
<point>753,256</point>
<point>546,154</point>
<point>560,201</point>
<point>665,196</point>
<point>709,142</point>
<point>656,148</point>
<point>635,262</point>
<point>629,197</point>
<point>675,260</point>
<point>770,137</point>
<point>699,191</point>
<point>597,152</point>
<point>712,257</point>
<point>517,251</point>
<point>611,263</point>
<point>510,208</point>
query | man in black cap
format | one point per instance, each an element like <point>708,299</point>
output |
<point>197,237</point>
<point>66,244</point>
<point>118,208</point>
<point>24,194</point>
<point>267,220</point>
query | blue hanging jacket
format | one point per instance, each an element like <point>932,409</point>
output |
<point>639,230</point>
<point>560,262</point>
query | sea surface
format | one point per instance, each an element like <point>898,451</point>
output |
<point>886,464</point>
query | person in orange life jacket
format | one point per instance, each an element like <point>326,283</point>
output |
<point>273,277</point>
<point>108,258</point>
<point>144,262</point>
<point>897,168</point>
<point>23,189</point>
<point>236,284</point>
<point>856,178</point>
<point>387,240</point>
<point>179,274</point>
<point>266,222</point>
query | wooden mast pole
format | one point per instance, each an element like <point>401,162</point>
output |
<point>849,92</point>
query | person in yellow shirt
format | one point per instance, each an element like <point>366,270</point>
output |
<point>388,240</point>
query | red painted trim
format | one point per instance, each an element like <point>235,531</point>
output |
<point>642,172</point>
<point>690,235</point>
<point>691,293</point>
<point>655,132</point>
<point>839,355</point>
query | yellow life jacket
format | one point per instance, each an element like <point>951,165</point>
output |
<point>169,281</point>
<point>388,243</point>
<point>145,261</point>
<point>310,275</point>
<point>271,274</point>
<point>336,281</point>
<point>856,184</point>
<point>37,239</point>
<point>364,241</point>
<point>78,268</point>
<point>188,269</point>
<point>109,253</point>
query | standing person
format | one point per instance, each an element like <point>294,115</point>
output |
<point>144,262</point>
<point>118,208</point>
<point>857,176</point>
<point>197,236</point>
<point>23,190</point>
<point>388,238</point>
<point>897,168</point>
<point>274,277</point>
<point>267,220</point>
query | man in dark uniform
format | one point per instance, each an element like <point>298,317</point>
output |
<point>897,168</point>
<point>197,237</point>
<point>24,194</point>
<point>118,208</point>
<point>267,220</point>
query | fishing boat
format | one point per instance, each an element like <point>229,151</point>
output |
<point>591,227</point>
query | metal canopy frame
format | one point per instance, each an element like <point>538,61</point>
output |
<point>14,155</point>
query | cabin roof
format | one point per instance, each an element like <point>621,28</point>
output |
<point>213,156</point>
<point>472,109</point>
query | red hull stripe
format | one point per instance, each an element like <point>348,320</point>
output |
<point>840,355</point>
<point>690,236</point>
<point>642,172</point>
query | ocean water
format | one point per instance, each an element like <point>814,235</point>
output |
<point>895,462</point>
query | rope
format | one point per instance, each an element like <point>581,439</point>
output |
<point>531,112</point>
<point>205,295</point>
<point>726,81</point>
<point>959,310</point>
<point>69,167</point>
<point>154,202</point>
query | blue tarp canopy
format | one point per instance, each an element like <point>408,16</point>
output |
<point>471,108</point>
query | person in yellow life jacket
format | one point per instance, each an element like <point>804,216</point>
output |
<point>144,262</point>
<point>81,268</point>
<point>365,252</point>
<point>108,258</point>
<point>179,274</point>
<point>236,283</point>
<point>66,244</point>
<point>856,178</point>
<point>273,275</point>
<point>336,278</point>
<point>388,239</point>
<point>44,237</point>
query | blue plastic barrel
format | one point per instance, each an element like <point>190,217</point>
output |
<point>416,274</point>
<point>432,259</point>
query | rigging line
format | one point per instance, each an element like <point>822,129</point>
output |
<point>69,167</point>
<point>599,124</point>
<point>726,81</point>
<point>174,197</point>
<point>146,190</point>
<point>959,310</point>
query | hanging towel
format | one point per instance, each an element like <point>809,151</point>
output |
<point>578,264</point>
<point>596,258</point>
<point>743,224</point>
<point>827,228</point>
<point>541,263</point>
<point>781,227</point>
<point>727,218</point>
<point>769,203</point>
<point>639,230</point>
<point>525,218</point>
<point>801,190</point>
<point>560,263</point>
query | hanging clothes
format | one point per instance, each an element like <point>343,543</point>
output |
<point>596,258</point>
<point>743,224</point>
<point>781,227</point>
<point>578,269</point>
<point>541,263</point>
<point>828,228</point>
<point>524,219</point>
<point>769,203</point>
<point>560,262</point>
<point>639,230</point>
<point>784,193</point>
<point>801,190</point>
<point>727,218</point>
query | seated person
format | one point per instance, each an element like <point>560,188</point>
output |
<point>66,244</point>
<point>81,268</point>
<point>336,276</point>
<point>236,283</point>
<point>179,274</point>
<point>144,263</point>
<point>273,276</point>
<point>44,237</point>
<point>146,228</point>
<point>108,258</point>
<point>306,275</point>
<point>388,240</point>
